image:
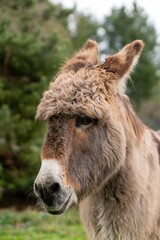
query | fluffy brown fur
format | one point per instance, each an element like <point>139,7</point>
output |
<point>112,163</point>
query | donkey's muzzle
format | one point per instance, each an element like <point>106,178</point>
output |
<point>55,197</point>
<point>62,209</point>
<point>50,188</point>
<point>48,194</point>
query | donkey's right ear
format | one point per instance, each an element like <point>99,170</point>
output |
<point>88,54</point>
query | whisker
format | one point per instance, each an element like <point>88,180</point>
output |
<point>40,205</point>
<point>43,190</point>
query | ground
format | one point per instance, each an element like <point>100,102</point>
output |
<point>33,225</point>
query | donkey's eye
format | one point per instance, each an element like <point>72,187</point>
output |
<point>83,121</point>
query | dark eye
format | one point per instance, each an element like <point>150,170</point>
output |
<point>83,121</point>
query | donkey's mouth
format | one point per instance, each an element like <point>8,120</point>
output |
<point>61,210</point>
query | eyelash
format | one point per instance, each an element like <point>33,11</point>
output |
<point>84,121</point>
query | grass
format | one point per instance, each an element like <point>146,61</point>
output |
<point>32,225</point>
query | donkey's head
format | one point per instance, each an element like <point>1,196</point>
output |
<point>85,142</point>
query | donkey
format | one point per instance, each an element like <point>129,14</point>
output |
<point>97,152</point>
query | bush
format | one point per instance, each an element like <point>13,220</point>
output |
<point>31,50</point>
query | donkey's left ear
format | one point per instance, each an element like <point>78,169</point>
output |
<point>124,61</point>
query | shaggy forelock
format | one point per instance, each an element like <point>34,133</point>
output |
<point>83,92</point>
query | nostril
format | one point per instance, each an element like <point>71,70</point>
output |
<point>55,187</point>
<point>39,191</point>
<point>36,188</point>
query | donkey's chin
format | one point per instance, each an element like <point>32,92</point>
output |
<point>63,208</point>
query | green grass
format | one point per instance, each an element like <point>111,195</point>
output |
<point>32,225</point>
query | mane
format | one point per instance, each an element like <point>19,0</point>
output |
<point>76,66</point>
<point>135,124</point>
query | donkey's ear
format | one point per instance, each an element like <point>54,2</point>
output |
<point>88,54</point>
<point>124,61</point>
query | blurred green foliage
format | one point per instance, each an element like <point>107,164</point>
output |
<point>31,51</point>
<point>33,225</point>
<point>35,38</point>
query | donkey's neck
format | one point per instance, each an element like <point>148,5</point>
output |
<point>125,208</point>
<point>131,122</point>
